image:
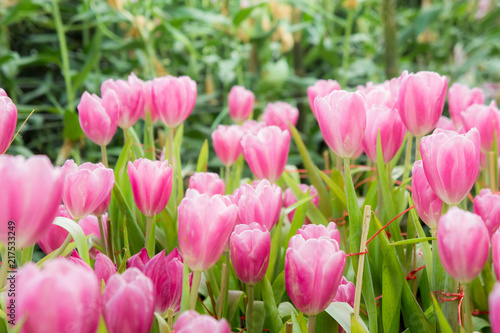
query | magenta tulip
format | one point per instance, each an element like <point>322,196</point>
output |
<point>342,121</point>
<point>486,118</point>
<point>345,292</point>
<point>261,204</point>
<point>205,224</point>
<point>85,187</point>
<point>128,303</point>
<point>8,121</point>
<point>207,182</point>
<point>495,252</point>
<point>99,117</point>
<point>266,152</point>
<point>240,103</point>
<point>321,88</point>
<point>290,199</point>
<point>380,119</point>
<point>173,99</point>
<point>29,198</point>
<point>313,272</point>
<point>151,184</point>
<point>427,203</point>
<point>104,267</point>
<point>494,303</point>
<point>451,163</point>
<point>463,244</point>
<point>460,97</point>
<point>61,297</point>
<point>227,143</point>
<point>250,249</point>
<point>191,321</point>
<point>421,101</point>
<point>139,260</point>
<point>487,205</point>
<point>280,114</point>
<point>77,260</point>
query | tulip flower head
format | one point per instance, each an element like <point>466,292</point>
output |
<point>99,117</point>
<point>427,203</point>
<point>139,260</point>
<point>487,205</point>
<point>290,199</point>
<point>190,321</point>
<point>486,118</point>
<point>494,303</point>
<point>8,121</point>
<point>345,292</point>
<point>495,252</point>
<point>104,267</point>
<point>320,88</point>
<point>207,182</point>
<point>460,97</point>
<point>227,143</point>
<point>280,114</point>
<point>240,103</point>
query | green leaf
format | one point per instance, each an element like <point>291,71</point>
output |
<point>443,323</point>
<point>425,247</point>
<point>185,288</point>
<point>412,241</point>
<point>201,166</point>
<point>233,298</point>
<point>242,14</point>
<point>341,312</point>
<point>259,315</point>
<point>71,126</point>
<point>298,218</point>
<point>391,289</point>
<point>162,324</point>
<point>270,305</point>
<point>279,287</point>
<point>275,248</point>
<point>78,236</point>
<point>339,193</point>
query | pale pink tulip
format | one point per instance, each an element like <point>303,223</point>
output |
<point>8,122</point>
<point>427,203</point>
<point>207,182</point>
<point>240,103</point>
<point>280,114</point>
<point>460,97</point>
<point>227,143</point>
<point>320,88</point>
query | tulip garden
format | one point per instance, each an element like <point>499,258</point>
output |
<point>384,219</point>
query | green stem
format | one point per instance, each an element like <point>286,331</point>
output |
<point>27,255</point>
<point>111,253</point>
<point>347,44</point>
<point>170,147</point>
<point>409,142</point>
<point>170,319</point>
<point>61,249</point>
<point>250,320</point>
<point>492,176</point>
<point>4,269</point>
<point>311,326</point>
<point>194,289</point>
<point>467,308</point>
<point>149,143</point>
<point>103,236</point>
<point>228,180</point>
<point>226,287</point>
<point>417,148</point>
<point>150,235</point>
<point>104,156</point>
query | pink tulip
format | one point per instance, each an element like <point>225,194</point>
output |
<point>460,97</point>
<point>30,195</point>
<point>90,227</point>
<point>59,298</point>
<point>427,203</point>
<point>313,272</point>
<point>392,132</point>
<point>131,96</point>
<point>139,260</point>
<point>261,204</point>
<point>342,121</point>
<point>207,182</point>
<point>173,98</point>
<point>321,88</point>
<point>252,126</point>
<point>280,114</point>
<point>421,101</point>
<point>128,303</point>
<point>205,224</point>
<point>77,260</point>
<point>103,207</point>
<point>445,123</point>
<point>486,118</point>
<point>227,143</point>
<point>266,152</point>
<point>3,93</point>
<point>290,199</point>
<point>104,267</point>
<point>345,292</point>
<point>151,185</point>
<point>240,103</point>
<point>487,205</point>
<point>166,274</point>
<point>494,303</point>
<point>148,105</point>
<point>85,187</point>
<point>451,163</point>
<point>250,249</point>
<point>191,321</point>
<point>99,117</point>
<point>495,252</point>
<point>313,231</point>
<point>8,122</point>
<point>381,95</point>
<point>463,244</point>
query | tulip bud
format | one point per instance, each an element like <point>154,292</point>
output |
<point>380,119</point>
<point>139,260</point>
<point>486,118</point>
<point>8,122</point>
<point>207,182</point>
<point>190,321</point>
<point>29,197</point>
<point>85,187</point>
<point>342,121</point>
<point>427,203</point>
<point>290,199</point>
<point>421,101</point>
<point>240,103</point>
<point>104,267</point>
<point>345,292</point>
<point>205,224</point>
<point>494,304</point>
<point>266,152</point>
<point>451,163</point>
<point>487,205</point>
<point>495,251</point>
<point>123,291</point>
<point>463,244</point>
<point>321,88</point>
<point>151,183</point>
<point>99,117</point>
<point>280,114</point>
<point>227,143</point>
<point>460,97</point>
<point>250,249</point>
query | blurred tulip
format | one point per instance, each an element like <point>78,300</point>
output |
<point>392,132</point>
<point>252,126</point>
<point>61,297</point>
<point>345,292</point>
<point>266,152</point>
<point>290,199</point>
<point>166,274</point>
<point>103,207</point>
<point>77,260</point>
<point>495,252</point>
<point>191,321</point>
<point>250,249</point>
<point>151,183</point>
<point>8,122</point>
<point>227,143</point>
<point>3,93</point>
<point>104,267</point>
<point>128,303</point>
<point>463,244</point>
<point>427,203</point>
<point>280,114</point>
<point>148,105</point>
<point>30,195</point>
<point>205,224</point>
<point>342,121</point>
<point>313,231</point>
<point>139,260</point>
<point>85,187</point>
<point>240,103</point>
<point>261,204</point>
<point>421,101</point>
<point>381,95</point>
<point>494,304</point>
<point>460,97</point>
<point>445,123</point>
<point>486,118</point>
<point>99,117</point>
<point>451,163</point>
<point>173,99</point>
<point>207,182</point>
<point>321,88</point>
<point>487,205</point>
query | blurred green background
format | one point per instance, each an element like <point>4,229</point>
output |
<point>52,51</point>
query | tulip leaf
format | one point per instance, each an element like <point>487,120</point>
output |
<point>275,248</point>
<point>234,297</point>
<point>391,289</point>
<point>325,323</point>
<point>162,324</point>
<point>341,312</point>
<point>285,309</point>
<point>298,219</point>
<point>339,193</point>
<point>78,236</point>
<point>412,241</point>
<point>201,166</point>
<point>425,247</point>
<point>279,287</point>
<point>272,312</point>
<point>177,149</point>
<point>137,150</point>
<point>441,319</point>
<point>299,203</point>
<point>185,288</point>
<point>259,315</point>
